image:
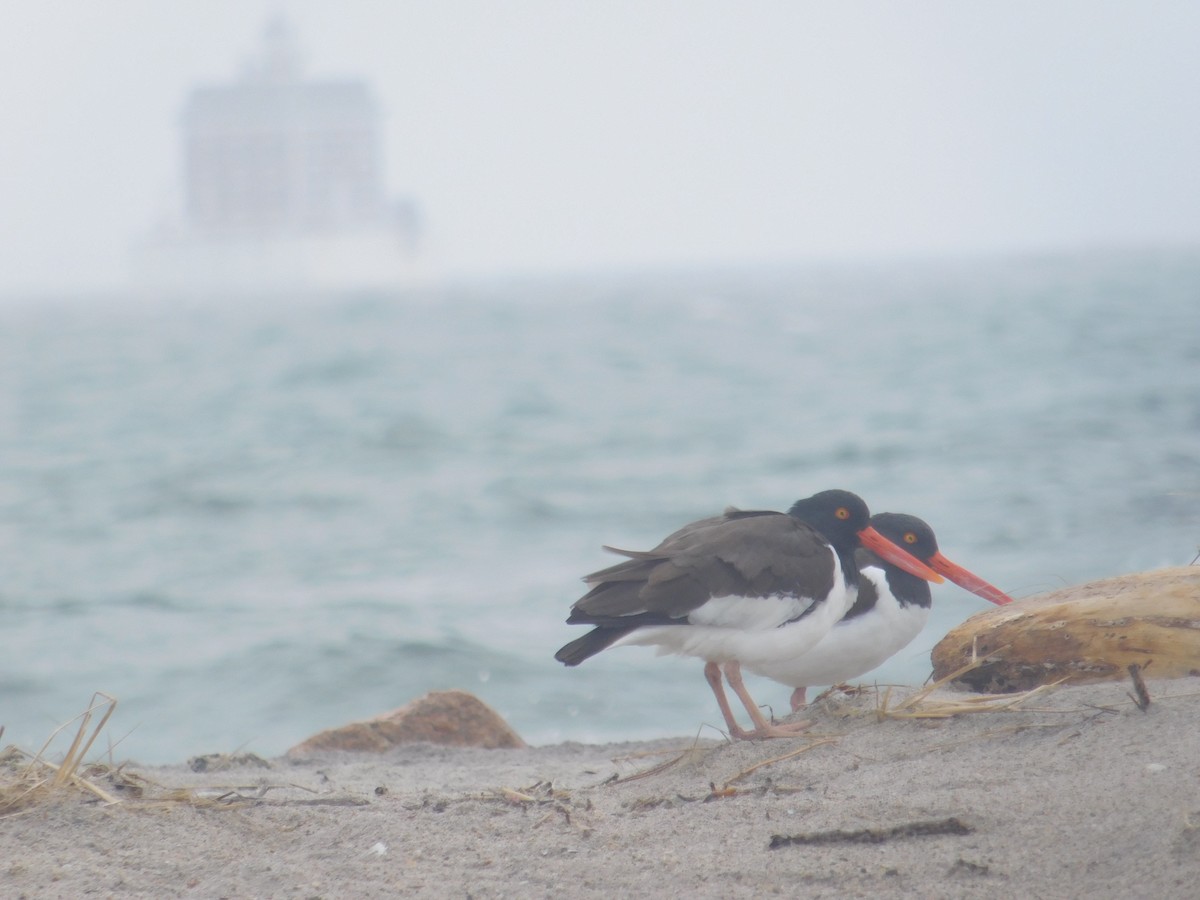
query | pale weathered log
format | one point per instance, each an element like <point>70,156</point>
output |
<point>1089,632</point>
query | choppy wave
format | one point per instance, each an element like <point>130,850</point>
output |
<point>252,522</point>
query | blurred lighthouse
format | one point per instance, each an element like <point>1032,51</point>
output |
<point>282,188</point>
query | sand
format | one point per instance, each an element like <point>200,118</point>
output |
<point>1078,794</point>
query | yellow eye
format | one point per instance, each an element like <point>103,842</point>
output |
<point>910,538</point>
<point>842,512</point>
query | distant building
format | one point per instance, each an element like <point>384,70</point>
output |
<point>283,188</point>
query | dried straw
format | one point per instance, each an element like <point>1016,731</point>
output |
<point>39,778</point>
<point>921,706</point>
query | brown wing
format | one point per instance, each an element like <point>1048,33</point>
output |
<point>752,554</point>
<point>676,538</point>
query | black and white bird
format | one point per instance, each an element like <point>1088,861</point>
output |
<point>751,588</point>
<point>891,609</point>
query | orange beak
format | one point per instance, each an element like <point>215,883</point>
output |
<point>885,549</point>
<point>968,580</point>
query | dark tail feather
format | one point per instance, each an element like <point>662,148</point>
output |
<point>590,644</point>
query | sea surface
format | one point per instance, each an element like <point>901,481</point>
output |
<point>252,520</point>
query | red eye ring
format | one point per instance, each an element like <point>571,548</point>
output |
<point>842,513</point>
<point>910,538</point>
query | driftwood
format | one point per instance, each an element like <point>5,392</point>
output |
<point>953,825</point>
<point>1090,632</point>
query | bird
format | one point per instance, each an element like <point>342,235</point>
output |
<point>891,609</point>
<point>745,587</point>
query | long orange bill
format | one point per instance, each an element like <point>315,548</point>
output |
<point>873,540</point>
<point>968,580</point>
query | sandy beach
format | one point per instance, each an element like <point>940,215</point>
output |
<point>1077,792</point>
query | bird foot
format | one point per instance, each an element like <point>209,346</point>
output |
<point>772,730</point>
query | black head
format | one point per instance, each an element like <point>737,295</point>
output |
<point>838,515</point>
<point>907,532</point>
<point>911,534</point>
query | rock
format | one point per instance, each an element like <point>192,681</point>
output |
<point>454,718</point>
<point>1090,632</point>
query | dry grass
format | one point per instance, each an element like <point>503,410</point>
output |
<point>922,705</point>
<point>28,779</point>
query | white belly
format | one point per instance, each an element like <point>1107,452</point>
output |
<point>851,647</point>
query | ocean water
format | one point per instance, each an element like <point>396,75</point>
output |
<point>251,521</point>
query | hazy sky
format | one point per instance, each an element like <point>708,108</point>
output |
<point>552,135</point>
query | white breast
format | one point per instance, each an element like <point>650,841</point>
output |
<point>851,647</point>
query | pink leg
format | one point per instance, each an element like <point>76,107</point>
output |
<point>799,699</point>
<point>762,728</point>
<point>712,672</point>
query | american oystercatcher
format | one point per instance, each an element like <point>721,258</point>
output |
<point>748,587</point>
<point>891,609</point>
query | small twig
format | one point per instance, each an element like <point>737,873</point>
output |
<point>660,751</point>
<point>952,825</point>
<point>516,797</point>
<point>1139,686</point>
<point>647,773</point>
<point>654,770</point>
<point>1100,708</point>
<point>769,762</point>
<point>720,793</point>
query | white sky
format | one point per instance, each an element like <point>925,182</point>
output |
<point>551,135</point>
